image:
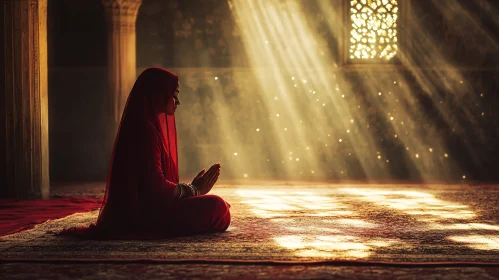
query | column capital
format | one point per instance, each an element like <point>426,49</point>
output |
<point>129,7</point>
<point>121,14</point>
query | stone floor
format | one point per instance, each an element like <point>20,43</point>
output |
<point>353,231</point>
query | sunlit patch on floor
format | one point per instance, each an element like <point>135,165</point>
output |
<point>352,223</point>
<point>414,203</point>
<point>307,241</point>
<point>470,226</point>
<point>268,204</point>
<point>331,246</point>
<point>330,224</point>
<point>478,242</point>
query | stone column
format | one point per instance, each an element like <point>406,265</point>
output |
<point>121,16</point>
<point>24,147</point>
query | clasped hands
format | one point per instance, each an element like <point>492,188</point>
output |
<point>205,180</point>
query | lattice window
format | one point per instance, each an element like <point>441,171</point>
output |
<point>373,34</point>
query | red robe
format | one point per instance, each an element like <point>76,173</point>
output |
<point>139,201</point>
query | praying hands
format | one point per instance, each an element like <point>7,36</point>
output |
<point>205,180</point>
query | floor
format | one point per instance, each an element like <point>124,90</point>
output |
<point>215,271</point>
<point>288,230</point>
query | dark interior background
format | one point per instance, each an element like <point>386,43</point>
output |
<point>199,38</point>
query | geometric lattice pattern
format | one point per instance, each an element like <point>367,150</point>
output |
<point>374,29</point>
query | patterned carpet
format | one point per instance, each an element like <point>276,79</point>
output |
<point>414,224</point>
<point>214,271</point>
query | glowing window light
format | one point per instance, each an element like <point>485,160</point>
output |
<point>374,29</point>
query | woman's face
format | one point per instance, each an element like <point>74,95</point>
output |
<point>173,102</point>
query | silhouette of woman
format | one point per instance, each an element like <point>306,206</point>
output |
<point>144,198</point>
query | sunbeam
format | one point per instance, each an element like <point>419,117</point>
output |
<point>331,115</point>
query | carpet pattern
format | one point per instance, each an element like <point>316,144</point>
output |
<point>210,271</point>
<point>387,223</point>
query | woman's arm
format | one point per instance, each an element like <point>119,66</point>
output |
<point>156,184</point>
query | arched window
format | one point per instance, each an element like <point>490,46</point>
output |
<point>373,33</point>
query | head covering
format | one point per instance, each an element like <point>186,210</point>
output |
<point>145,108</point>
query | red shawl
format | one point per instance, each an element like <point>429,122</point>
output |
<point>143,171</point>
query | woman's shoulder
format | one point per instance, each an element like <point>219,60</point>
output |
<point>150,131</point>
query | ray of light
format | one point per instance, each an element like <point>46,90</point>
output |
<point>282,26</point>
<point>253,16</point>
<point>316,120</point>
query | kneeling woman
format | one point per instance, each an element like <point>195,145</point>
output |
<point>144,198</point>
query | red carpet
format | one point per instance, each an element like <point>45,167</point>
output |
<point>17,215</point>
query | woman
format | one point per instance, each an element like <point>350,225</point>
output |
<point>144,198</point>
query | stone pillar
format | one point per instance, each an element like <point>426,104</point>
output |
<point>121,16</point>
<point>24,147</point>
